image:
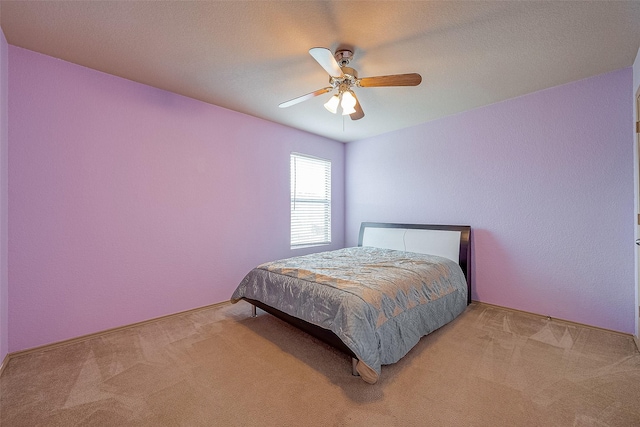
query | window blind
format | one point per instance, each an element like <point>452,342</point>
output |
<point>310,200</point>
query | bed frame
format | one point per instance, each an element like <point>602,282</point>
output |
<point>449,241</point>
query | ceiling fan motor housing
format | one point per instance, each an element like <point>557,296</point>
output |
<point>349,79</point>
<point>350,72</point>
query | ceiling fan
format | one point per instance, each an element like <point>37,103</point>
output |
<point>344,79</point>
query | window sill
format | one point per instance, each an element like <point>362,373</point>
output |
<point>312,245</point>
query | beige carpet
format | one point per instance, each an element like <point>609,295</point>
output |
<point>219,367</point>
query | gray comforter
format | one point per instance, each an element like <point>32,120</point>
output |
<point>379,302</point>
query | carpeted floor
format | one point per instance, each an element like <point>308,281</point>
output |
<point>219,367</point>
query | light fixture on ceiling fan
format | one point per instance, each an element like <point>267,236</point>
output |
<point>344,78</point>
<point>346,100</point>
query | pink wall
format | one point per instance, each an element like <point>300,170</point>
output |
<point>128,202</point>
<point>4,145</point>
<point>545,181</point>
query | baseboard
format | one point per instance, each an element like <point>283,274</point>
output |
<point>57,344</point>
<point>4,363</point>
<point>81,338</point>
<point>583,325</point>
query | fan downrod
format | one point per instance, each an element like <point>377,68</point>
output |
<point>343,56</point>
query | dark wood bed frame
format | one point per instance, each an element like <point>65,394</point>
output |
<point>332,339</point>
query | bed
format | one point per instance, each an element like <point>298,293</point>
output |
<point>375,301</point>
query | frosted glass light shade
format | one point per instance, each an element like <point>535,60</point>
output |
<point>332,104</point>
<point>348,102</point>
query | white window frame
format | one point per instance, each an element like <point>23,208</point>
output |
<point>310,189</point>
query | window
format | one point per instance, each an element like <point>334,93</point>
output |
<point>310,201</point>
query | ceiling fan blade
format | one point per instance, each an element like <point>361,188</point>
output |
<point>359,113</point>
<point>412,79</point>
<point>299,99</point>
<point>325,58</point>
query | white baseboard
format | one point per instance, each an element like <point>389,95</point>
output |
<point>57,344</point>
<point>4,363</point>
<point>555,319</point>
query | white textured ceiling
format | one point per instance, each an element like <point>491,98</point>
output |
<point>251,56</point>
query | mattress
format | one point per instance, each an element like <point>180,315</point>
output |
<point>379,302</point>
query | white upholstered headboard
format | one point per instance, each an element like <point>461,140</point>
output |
<point>448,241</point>
<point>434,242</point>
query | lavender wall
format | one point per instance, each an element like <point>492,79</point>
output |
<point>546,182</point>
<point>128,202</point>
<point>4,145</point>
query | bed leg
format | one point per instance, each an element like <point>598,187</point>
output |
<point>354,363</point>
<point>253,311</point>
